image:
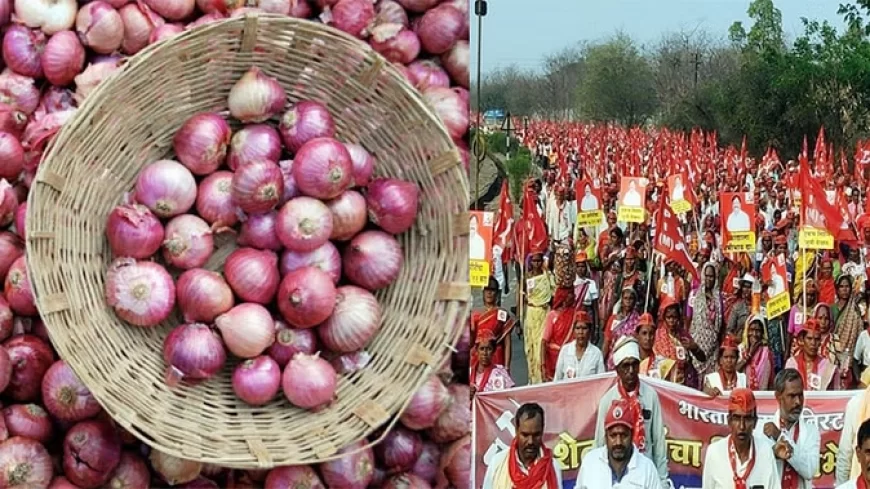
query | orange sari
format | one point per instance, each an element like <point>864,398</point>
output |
<point>489,320</point>
<point>558,330</point>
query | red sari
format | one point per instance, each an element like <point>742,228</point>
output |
<point>558,330</point>
<point>827,290</point>
<point>489,320</point>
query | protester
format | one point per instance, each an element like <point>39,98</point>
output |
<point>618,461</point>
<point>540,286</point>
<point>527,463</point>
<point>755,356</point>
<point>649,430</point>
<point>750,457</point>
<point>673,342</point>
<point>727,378</point>
<point>862,453</point>
<point>705,317</point>
<point>579,358</point>
<point>623,322</point>
<point>857,412</point>
<point>495,320</point>
<point>486,375</point>
<point>818,373</point>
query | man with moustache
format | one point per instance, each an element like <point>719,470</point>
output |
<point>527,464</point>
<point>862,453</point>
<point>742,460</point>
<point>790,427</point>
<point>618,461</point>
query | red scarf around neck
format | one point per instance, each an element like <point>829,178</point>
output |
<point>739,482</point>
<point>541,471</point>
<point>639,429</point>
<point>802,367</point>
<point>487,372</point>
<point>861,483</point>
<point>790,477</point>
<point>727,386</point>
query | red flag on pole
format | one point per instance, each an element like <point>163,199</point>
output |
<point>670,242</point>
<point>504,222</point>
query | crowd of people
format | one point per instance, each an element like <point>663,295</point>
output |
<point>684,305</point>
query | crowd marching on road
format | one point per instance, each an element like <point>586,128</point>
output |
<point>661,254</point>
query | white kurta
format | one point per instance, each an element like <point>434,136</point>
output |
<point>715,380</point>
<point>852,484</point>
<point>499,459</point>
<point>719,475</point>
<point>591,289</point>
<point>561,219</point>
<point>595,472</point>
<point>847,438</point>
<point>805,453</point>
<point>568,366</point>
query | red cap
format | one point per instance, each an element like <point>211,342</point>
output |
<point>620,413</point>
<point>645,319</point>
<point>485,335</point>
<point>729,343</point>
<point>582,317</point>
<point>811,324</point>
<point>742,399</point>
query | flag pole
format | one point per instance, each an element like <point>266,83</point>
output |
<point>649,281</point>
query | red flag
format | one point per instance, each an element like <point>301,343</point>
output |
<point>504,222</point>
<point>669,239</point>
<point>816,211</point>
<point>531,231</point>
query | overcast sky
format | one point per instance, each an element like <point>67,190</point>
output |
<point>523,32</point>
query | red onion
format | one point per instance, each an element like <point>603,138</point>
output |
<point>28,421</point>
<point>372,260</point>
<point>5,369</point>
<point>306,297</point>
<point>399,450</point>
<point>418,6</point>
<point>258,231</point>
<point>349,215</point>
<point>55,99</point>
<point>131,473</point>
<point>290,189</point>
<point>326,258</point>
<point>426,467</point>
<point>189,242</point>
<point>440,28</point>
<point>8,203</point>
<point>396,43</point>
<point>392,204</point>
<point>214,200</point>
<point>309,382</point>
<point>203,295</point>
<point>22,48</point>
<point>352,471</point>
<point>201,143</point>
<point>406,481</point>
<point>351,362</point>
<point>304,224</point>
<point>456,463</point>
<point>354,321</point>
<point>253,274</point>
<point>426,405</point>
<point>100,27</point>
<point>166,187</point>
<point>165,31</point>
<point>456,63</point>
<point>11,248</point>
<point>461,360</point>
<point>63,58</point>
<point>290,341</point>
<point>173,10</point>
<point>455,421</point>
<point>304,121</point>
<point>65,396</point>
<point>258,186</point>
<point>93,75</point>
<point>300,9</point>
<point>11,157</point>
<point>63,483</point>
<point>19,293</point>
<point>255,142</point>
<point>192,352</point>
<point>19,91</point>
<point>200,483</point>
<point>174,470</point>
<point>256,97</point>
<point>390,12</point>
<point>247,329</point>
<point>50,16</point>
<point>351,16</point>
<point>133,231</point>
<point>257,381</point>
<point>24,463</point>
<point>450,108</point>
<point>12,120</point>
<point>217,6</point>
<point>293,476</point>
<point>139,23</point>
<point>323,168</point>
<point>91,451</point>
<point>141,293</point>
<point>427,74</point>
<point>31,357</point>
<point>363,164</point>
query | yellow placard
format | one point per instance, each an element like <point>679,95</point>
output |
<point>815,239</point>
<point>630,214</point>
<point>681,206</point>
<point>593,218</point>
<point>741,243</point>
<point>778,305</point>
<point>478,273</point>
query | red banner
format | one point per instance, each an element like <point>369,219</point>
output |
<point>693,420</point>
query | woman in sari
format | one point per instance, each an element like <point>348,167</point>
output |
<point>705,320</point>
<point>800,312</point>
<point>674,343</point>
<point>823,315</point>
<point>728,377</point>
<point>540,286</point>
<point>844,295</point>
<point>755,355</point>
<point>495,320</point>
<point>849,325</point>
<point>737,307</point>
<point>486,375</point>
<point>621,323</point>
<point>646,334</point>
<point>558,330</point>
<point>827,284</point>
<point>608,292</point>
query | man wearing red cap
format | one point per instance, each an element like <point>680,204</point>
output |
<point>527,464</point>
<point>817,372</point>
<point>742,460</point>
<point>579,358</point>
<point>619,460</point>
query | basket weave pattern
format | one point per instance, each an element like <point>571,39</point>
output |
<point>129,122</point>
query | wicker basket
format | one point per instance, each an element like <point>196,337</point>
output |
<point>129,122</point>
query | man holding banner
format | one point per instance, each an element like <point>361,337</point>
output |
<point>527,464</point>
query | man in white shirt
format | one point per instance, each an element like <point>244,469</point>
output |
<point>857,411</point>
<point>677,193</point>
<point>789,426</point>
<point>476,243</point>
<point>561,217</point>
<point>589,202</point>
<point>618,461</point>
<point>632,197</point>
<point>862,452</point>
<point>649,434</point>
<point>738,221</point>
<point>741,459</point>
<point>527,462</point>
